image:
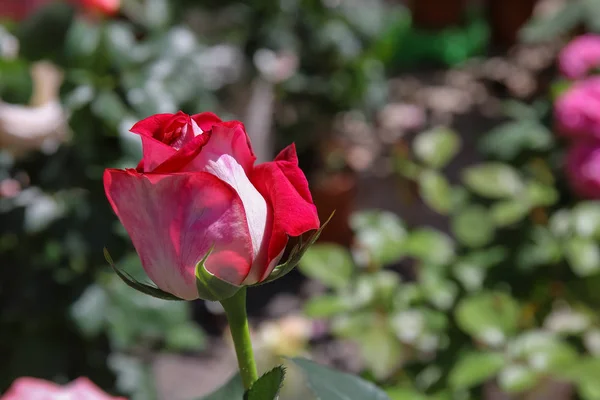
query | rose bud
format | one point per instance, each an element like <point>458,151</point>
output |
<point>38,389</point>
<point>196,199</point>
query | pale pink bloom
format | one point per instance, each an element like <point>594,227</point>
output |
<point>580,56</point>
<point>38,389</point>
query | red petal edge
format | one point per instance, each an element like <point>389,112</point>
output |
<point>284,186</point>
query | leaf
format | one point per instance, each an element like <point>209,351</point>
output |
<point>89,311</point>
<point>539,194</point>
<point>542,29</point>
<point>185,337</point>
<point>330,264</point>
<point>109,107</point>
<point>509,212</point>
<point>517,378</point>
<point>543,351</point>
<point>583,255</point>
<point>139,286</point>
<point>381,350</point>
<point>328,384</point>
<point>493,180</point>
<point>232,390</point>
<point>295,255</point>
<point>473,369</point>
<point>473,226</point>
<point>489,317</point>
<point>382,233</point>
<point>326,306</point>
<point>509,140</point>
<point>586,219</point>
<point>585,376</point>
<point>435,191</point>
<point>267,387</point>
<point>430,246</point>
<point>437,146</point>
<point>209,286</point>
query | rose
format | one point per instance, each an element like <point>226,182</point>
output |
<point>577,111</point>
<point>580,56</point>
<point>583,169</point>
<point>38,389</point>
<point>197,192</point>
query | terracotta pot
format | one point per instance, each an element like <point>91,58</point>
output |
<point>437,14</point>
<point>335,192</point>
<point>507,17</point>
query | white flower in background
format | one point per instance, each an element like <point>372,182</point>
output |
<point>41,125</point>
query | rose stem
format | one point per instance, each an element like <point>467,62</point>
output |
<point>235,309</point>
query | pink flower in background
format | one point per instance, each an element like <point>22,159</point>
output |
<point>577,111</point>
<point>21,9</point>
<point>38,389</point>
<point>197,188</point>
<point>101,7</point>
<point>583,168</point>
<point>580,56</point>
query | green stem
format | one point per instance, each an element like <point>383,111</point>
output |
<point>235,309</point>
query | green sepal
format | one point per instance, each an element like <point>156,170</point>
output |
<point>295,255</point>
<point>209,286</point>
<point>139,286</point>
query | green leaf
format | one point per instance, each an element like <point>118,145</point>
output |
<point>328,384</point>
<point>565,19</point>
<point>517,378</point>
<point>585,376</point>
<point>405,394</point>
<point>586,219</point>
<point>539,194</point>
<point>473,226</point>
<point>209,286</point>
<point>381,350</point>
<point>489,317</point>
<point>232,390</point>
<point>509,140</point>
<point>509,212</point>
<point>583,255</point>
<point>430,246</point>
<point>437,146</point>
<point>493,180</point>
<point>435,191</point>
<point>543,351</point>
<point>139,286</point>
<point>89,311</point>
<point>295,255</point>
<point>382,233</point>
<point>267,387</point>
<point>473,369</point>
<point>185,337</point>
<point>326,306</point>
<point>83,39</point>
<point>330,264</point>
<point>109,107</point>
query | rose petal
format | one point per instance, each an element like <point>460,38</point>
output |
<point>173,220</point>
<point>284,186</point>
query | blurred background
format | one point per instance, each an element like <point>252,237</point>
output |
<point>463,261</point>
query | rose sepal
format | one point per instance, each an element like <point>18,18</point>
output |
<point>209,286</point>
<point>295,255</point>
<point>145,288</point>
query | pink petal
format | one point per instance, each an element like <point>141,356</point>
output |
<point>31,389</point>
<point>284,186</point>
<point>228,156</point>
<point>84,389</point>
<point>173,220</point>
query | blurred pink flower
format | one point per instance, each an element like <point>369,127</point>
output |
<point>21,9</point>
<point>580,56</point>
<point>583,169</point>
<point>37,389</point>
<point>577,111</point>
